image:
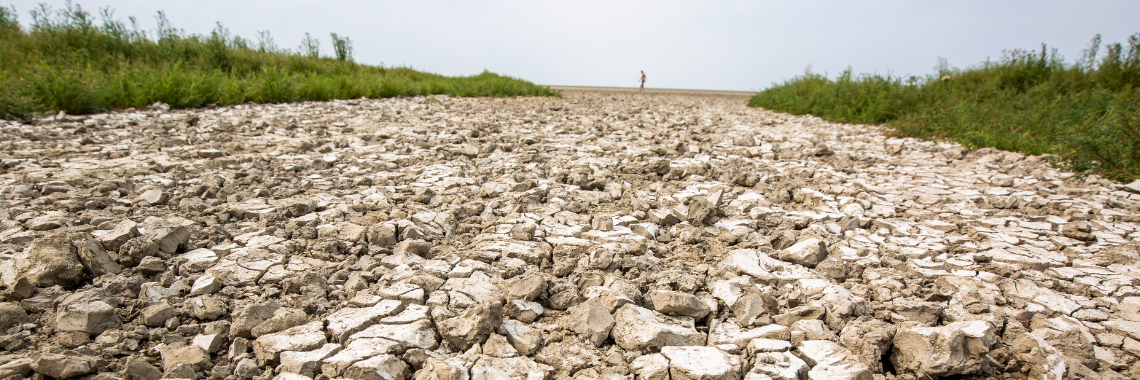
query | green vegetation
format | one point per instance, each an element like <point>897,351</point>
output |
<point>65,61</point>
<point>1086,114</point>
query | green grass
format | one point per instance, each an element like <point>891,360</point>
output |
<point>1086,114</point>
<point>66,61</point>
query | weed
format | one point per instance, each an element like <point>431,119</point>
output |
<point>1086,113</point>
<point>68,61</point>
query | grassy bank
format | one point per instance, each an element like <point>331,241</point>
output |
<point>66,60</point>
<point>1086,113</point>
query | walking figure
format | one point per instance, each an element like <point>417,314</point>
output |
<point>642,81</point>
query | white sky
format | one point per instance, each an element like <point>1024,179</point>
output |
<point>724,45</point>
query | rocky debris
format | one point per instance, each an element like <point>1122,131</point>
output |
<point>592,236</point>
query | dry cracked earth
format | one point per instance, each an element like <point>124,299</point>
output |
<point>592,236</point>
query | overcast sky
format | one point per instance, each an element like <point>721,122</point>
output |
<point>723,45</point>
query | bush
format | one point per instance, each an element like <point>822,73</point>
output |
<point>67,62</point>
<point>1086,113</point>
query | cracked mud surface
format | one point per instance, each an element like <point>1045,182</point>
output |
<point>599,235</point>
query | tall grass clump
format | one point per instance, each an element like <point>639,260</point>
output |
<point>1086,113</point>
<point>67,61</point>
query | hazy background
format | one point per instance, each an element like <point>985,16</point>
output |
<point>723,45</point>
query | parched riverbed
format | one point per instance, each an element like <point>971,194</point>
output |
<point>600,235</point>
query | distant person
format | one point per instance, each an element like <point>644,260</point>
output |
<point>642,81</point>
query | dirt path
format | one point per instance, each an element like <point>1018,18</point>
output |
<point>654,91</point>
<point>600,235</point>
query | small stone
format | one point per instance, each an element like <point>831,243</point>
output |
<point>11,315</point>
<point>177,354</point>
<point>156,315</point>
<point>305,337</point>
<point>677,303</point>
<point>524,311</point>
<point>352,233</point>
<point>954,349</point>
<point>72,339</point>
<point>206,308</point>
<point>379,367</point>
<point>92,255</point>
<point>150,266</point>
<point>526,287</point>
<point>20,290</point>
<point>281,319</point>
<point>415,247</point>
<point>700,209</point>
<point>168,238</point>
<point>562,295</point>
<point>382,235</point>
<point>211,153</point>
<point>181,371</point>
<point>45,262</point>
<point>307,363</point>
<point>638,328</point>
<point>498,346</point>
<point>138,368</point>
<point>48,221</point>
<point>701,363</point>
<point>651,367</point>
<point>198,260</point>
<point>523,338</point>
<point>779,365</point>
<point>347,321</point>
<point>15,367</point>
<point>523,232</point>
<point>355,351</point>
<point>517,368</point>
<point>807,252</point>
<point>153,197</point>
<point>749,306</point>
<point>211,343</point>
<point>63,366</point>
<point>247,369</point>
<point>248,317</point>
<point>602,223</point>
<point>115,238</point>
<point>829,360</point>
<point>473,327</point>
<point>1078,230</point>
<point>418,334</point>
<point>591,320</point>
<point>760,345</point>
<point>205,285</point>
<point>91,317</point>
